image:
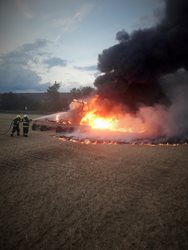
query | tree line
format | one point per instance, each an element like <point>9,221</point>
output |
<point>50,101</point>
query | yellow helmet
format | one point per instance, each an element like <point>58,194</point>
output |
<point>18,116</point>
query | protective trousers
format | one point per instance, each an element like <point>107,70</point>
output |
<point>25,130</point>
<point>15,128</point>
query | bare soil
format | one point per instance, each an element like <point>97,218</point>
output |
<point>65,195</point>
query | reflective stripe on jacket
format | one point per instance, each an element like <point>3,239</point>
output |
<point>26,122</point>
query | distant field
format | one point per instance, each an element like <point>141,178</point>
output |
<point>64,195</point>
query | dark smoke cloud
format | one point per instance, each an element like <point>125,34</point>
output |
<point>133,67</point>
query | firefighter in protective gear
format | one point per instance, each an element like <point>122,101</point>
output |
<point>26,122</point>
<point>16,125</point>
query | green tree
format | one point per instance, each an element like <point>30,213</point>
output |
<point>53,97</point>
<point>81,92</point>
<point>75,93</point>
<point>86,91</point>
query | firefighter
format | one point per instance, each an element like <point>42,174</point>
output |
<point>16,125</point>
<point>26,122</point>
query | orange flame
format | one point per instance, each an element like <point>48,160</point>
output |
<point>115,120</point>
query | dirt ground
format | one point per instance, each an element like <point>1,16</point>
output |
<point>65,195</point>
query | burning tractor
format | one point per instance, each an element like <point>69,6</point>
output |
<point>62,121</point>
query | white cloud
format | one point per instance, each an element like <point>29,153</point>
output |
<point>32,67</point>
<point>16,71</point>
<point>55,61</point>
<point>69,76</point>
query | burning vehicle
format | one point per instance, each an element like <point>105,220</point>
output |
<point>61,121</point>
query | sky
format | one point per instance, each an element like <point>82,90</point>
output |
<point>43,41</point>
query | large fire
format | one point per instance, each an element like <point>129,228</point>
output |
<point>100,121</point>
<point>101,117</point>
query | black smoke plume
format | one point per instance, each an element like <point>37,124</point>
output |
<point>133,67</point>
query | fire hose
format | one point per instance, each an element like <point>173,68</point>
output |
<point>6,132</point>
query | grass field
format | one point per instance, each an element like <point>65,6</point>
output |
<point>64,195</point>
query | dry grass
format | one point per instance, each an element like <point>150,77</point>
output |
<point>63,195</point>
